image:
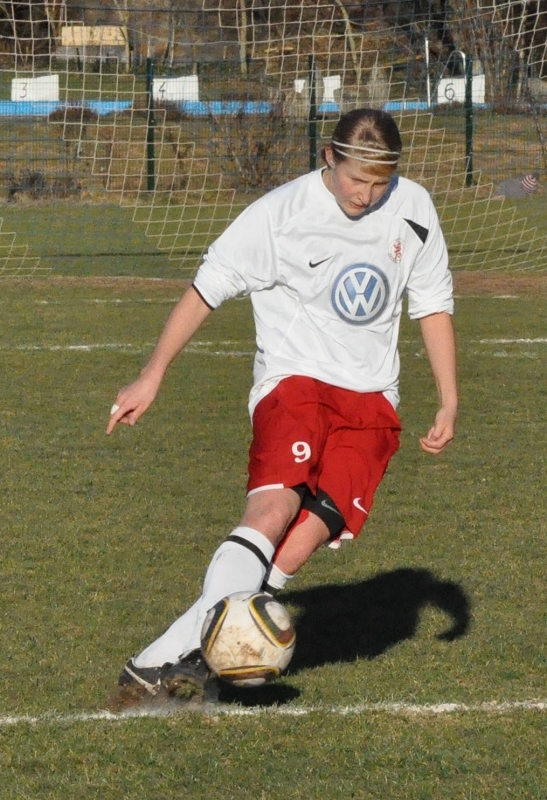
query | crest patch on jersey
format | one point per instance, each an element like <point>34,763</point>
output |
<point>360,294</point>
<point>395,251</point>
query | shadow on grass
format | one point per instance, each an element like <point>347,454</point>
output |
<point>363,620</point>
<point>360,620</point>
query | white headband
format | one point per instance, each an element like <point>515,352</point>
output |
<point>373,150</point>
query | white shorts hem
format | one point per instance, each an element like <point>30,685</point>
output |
<point>266,487</point>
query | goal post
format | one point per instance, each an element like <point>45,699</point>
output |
<point>184,112</point>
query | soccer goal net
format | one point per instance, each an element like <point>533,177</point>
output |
<point>181,112</point>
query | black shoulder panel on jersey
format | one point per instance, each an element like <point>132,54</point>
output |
<point>419,230</point>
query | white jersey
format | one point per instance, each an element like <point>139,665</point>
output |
<point>327,289</point>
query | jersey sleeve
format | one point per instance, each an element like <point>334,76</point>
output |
<point>429,287</point>
<point>241,260</point>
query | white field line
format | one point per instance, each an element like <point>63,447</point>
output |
<point>542,340</point>
<point>112,300</point>
<point>192,347</point>
<point>85,348</point>
<point>204,347</point>
<point>115,301</point>
<point>219,709</point>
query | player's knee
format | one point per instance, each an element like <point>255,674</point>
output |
<point>324,507</point>
<point>271,512</point>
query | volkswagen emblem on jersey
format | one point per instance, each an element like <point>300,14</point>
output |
<point>360,293</point>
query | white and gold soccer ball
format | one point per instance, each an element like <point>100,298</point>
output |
<point>248,639</point>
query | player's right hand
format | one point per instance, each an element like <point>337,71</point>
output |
<point>131,402</point>
<point>441,434</point>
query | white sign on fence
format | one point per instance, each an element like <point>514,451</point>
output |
<point>452,90</point>
<point>44,88</point>
<point>331,83</point>
<point>176,89</point>
<point>92,36</point>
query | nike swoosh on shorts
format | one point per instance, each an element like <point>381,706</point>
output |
<point>357,504</point>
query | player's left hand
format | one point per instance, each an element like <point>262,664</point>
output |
<point>441,434</point>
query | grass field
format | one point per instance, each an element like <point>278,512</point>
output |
<point>108,240</point>
<point>105,540</point>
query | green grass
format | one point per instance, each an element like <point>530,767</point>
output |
<point>85,240</point>
<point>109,240</point>
<point>105,540</point>
<point>90,239</point>
<point>269,757</point>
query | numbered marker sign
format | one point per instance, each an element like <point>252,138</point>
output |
<point>32,89</point>
<point>452,90</point>
<point>176,89</point>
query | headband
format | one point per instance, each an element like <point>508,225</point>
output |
<point>373,150</point>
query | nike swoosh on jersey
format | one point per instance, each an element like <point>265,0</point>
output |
<point>314,264</point>
<point>357,504</point>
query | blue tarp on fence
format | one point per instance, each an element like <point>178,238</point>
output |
<point>223,107</point>
<point>198,108</point>
<point>203,108</point>
<point>43,108</point>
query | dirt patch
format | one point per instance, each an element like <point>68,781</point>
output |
<point>466,283</point>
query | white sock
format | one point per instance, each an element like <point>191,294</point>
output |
<point>239,565</point>
<point>275,578</point>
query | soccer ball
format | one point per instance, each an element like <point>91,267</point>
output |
<point>247,639</point>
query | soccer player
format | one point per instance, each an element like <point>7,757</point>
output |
<point>326,260</point>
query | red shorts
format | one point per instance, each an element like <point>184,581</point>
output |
<point>340,441</point>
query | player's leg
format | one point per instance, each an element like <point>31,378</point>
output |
<point>280,457</point>
<point>307,534</point>
<point>286,443</point>
<point>238,565</point>
<point>230,570</point>
<point>318,522</point>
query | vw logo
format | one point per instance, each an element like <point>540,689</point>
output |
<point>360,293</point>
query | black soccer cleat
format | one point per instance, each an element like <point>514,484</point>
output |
<point>187,678</point>
<point>140,682</point>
